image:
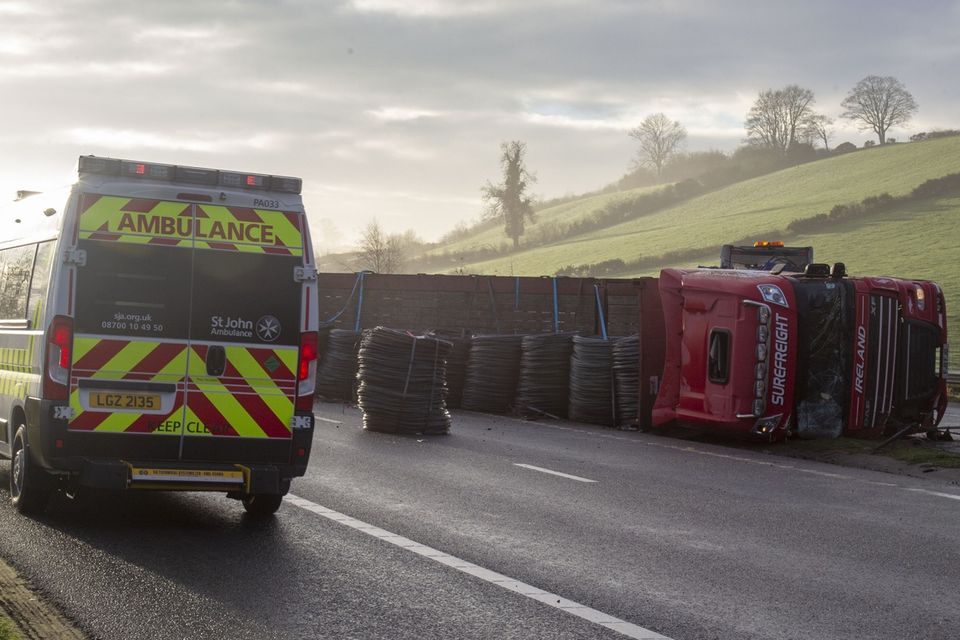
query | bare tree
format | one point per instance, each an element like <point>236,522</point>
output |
<point>878,104</point>
<point>818,129</point>
<point>509,202</point>
<point>379,252</point>
<point>778,116</point>
<point>659,139</point>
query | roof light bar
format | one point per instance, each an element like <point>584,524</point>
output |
<point>189,175</point>
<point>146,171</point>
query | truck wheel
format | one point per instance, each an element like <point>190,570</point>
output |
<point>262,505</point>
<point>30,486</point>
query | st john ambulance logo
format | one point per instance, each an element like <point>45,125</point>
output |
<point>268,328</point>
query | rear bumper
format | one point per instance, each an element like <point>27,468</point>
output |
<point>195,476</point>
<point>107,460</point>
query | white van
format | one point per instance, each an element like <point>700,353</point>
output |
<point>157,331</point>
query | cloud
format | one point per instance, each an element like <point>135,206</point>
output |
<point>111,71</point>
<point>402,114</point>
<point>14,45</point>
<point>20,9</point>
<point>436,8</point>
<point>406,103</point>
<point>127,139</point>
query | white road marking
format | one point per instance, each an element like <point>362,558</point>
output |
<point>553,473</point>
<point>766,463</point>
<point>316,417</point>
<point>569,606</point>
<point>952,496</point>
<point>737,458</point>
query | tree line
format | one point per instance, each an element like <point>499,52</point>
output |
<point>782,126</point>
<point>781,119</point>
<point>780,122</point>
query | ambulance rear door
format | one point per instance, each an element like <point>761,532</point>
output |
<point>129,284</point>
<point>245,324</point>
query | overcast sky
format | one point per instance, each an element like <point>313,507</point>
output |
<point>395,109</point>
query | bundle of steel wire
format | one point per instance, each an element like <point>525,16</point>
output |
<point>337,371</point>
<point>457,369</point>
<point>626,376</point>
<point>402,384</point>
<point>492,373</point>
<point>592,391</point>
<point>545,374</point>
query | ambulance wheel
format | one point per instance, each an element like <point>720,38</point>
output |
<point>30,486</point>
<point>261,505</point>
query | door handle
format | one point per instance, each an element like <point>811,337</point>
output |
<point>216,361</point>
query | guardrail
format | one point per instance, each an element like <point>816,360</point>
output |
<point>953,379</point>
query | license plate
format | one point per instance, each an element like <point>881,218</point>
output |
<point>108,400</point>
<point>186,475</point>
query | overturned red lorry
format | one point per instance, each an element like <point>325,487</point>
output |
<point>768,345</point>
<point>817,353</point>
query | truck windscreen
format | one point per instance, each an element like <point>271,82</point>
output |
<point>825,318</point>
<point>921,351</point>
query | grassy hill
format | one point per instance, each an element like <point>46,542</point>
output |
<point>560,214</point>
<point>917,239</point>
<point>758,208</point>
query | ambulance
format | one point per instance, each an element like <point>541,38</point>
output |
<point>157,331</point>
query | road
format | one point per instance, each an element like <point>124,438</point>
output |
<point>510,529</point>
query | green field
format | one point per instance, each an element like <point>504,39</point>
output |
<point>560,214</point>
<point>918,240</point>
<point>760,208</point>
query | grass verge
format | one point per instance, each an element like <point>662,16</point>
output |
<point>8,630</point>
<point>914,450</point>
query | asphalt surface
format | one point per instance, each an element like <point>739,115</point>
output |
<point>689,540</point>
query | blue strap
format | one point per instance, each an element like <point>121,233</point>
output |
<point>356,325</point>
<point>603,321</point>
<point>556,308</point>
<point>347,303</point>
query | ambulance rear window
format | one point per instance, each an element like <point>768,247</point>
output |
<point>134,290</point>
<point>246,297</point>
<point>16,265</point>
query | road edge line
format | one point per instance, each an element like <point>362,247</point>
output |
<point>492,577</point>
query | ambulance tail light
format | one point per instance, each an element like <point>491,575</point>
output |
<point>56,375</point>
<point>307,370</point>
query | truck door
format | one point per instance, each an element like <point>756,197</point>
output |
<point>129,297</point>
<point>244,334</point>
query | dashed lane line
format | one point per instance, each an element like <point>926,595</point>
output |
<point>553,473</point>
<point>766,463</point>
<point>940,494</point>
<point>613,623</point>
<point>714,454</point>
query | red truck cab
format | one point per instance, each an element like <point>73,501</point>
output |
<point>760,353</point>
<point>731,350</point>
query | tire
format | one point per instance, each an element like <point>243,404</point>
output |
<point>30,486</point>
<point>262,505</point>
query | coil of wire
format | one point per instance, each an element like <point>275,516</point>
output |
<point>545,374</point>
<point>626,376</point>
<point>493,370</point>
<point>592,392</point>
<point>337,371</point>
<point>402,382</point>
